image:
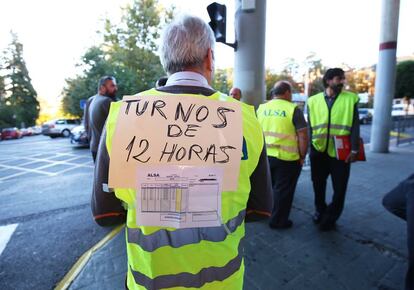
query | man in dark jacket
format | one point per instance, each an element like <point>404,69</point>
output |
<point>333,112</point>
<point>400,202</point>
<point>96,111</point>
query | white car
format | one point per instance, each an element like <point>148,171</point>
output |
<point>59,127</point>
<point>402,110</point>
<point>365,115</point>
<point>79,137</point>
<point>398,110</point>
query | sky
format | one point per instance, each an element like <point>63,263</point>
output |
<point>56,33</point>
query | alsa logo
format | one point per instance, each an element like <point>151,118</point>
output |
<point>274,113</point>
<point>153,175</point>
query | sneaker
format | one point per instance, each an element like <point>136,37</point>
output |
<point>286,225</point>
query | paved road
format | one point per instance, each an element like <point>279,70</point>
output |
<point>367,251</point>
<point>365,132</point>
<point>45,187</point>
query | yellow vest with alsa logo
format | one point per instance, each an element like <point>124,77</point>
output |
<point>276,119</point>
<point>206,258</point>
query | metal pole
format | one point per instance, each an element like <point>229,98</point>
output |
<point>249,69</point>
<point>385,76</point>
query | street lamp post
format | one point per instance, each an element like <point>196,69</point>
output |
<point>385,80</point>
<point>249,68</point>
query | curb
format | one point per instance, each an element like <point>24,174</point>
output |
<point>83,260</point>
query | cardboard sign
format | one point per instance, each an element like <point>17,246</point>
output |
<point>176,130</point>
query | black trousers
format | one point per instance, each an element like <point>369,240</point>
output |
<point>322,165</point>
<point>400,202</point>
<point>94,156</point>
<point>285,176</point>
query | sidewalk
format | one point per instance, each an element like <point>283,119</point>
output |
<point>367,250</point>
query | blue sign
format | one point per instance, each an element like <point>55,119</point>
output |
<point>82,104</point>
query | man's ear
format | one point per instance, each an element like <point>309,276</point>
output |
<point>210,60</point>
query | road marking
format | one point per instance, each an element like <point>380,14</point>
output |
<point>67,169</point>
<point>83,260</point>
<point>25,170</point>
<point>49,163</point>
<point>13,175</point>
<point>5,234</point>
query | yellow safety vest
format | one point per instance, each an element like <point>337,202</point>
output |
<point>276,117</point>
<point>207,258</point>
<point>337,122</point>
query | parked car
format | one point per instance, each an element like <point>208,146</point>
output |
<point>36,130</point>
<point>365,116</point>
<point>26,131</point>
<point>11,133</point>
<point>398,110</point>
<point>79,137</point>
<point>60,127</point>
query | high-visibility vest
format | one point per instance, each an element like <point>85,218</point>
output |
<point>207,258</point>
<point>328,123</point>
<point>276,119</point>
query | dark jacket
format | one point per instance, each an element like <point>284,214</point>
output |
<point>96,112</point>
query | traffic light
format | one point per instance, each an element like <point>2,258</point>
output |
<point>217,13</point>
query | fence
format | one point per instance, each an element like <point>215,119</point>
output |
<point>404,126</point>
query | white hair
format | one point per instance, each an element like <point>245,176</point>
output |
<point>184,43</point>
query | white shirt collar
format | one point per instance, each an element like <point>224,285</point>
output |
<point>187,78</point>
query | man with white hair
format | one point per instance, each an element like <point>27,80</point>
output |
<point>161,257</point>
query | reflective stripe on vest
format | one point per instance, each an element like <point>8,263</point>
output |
<point>291,149</point>
<point>320,136</point>
<point>276,119</point>
<point>208,258</point>
<point>339,123</point>
<point>280,135</point>
<point>333,126</point>
<point>187,280</point>
<point>182,237</point>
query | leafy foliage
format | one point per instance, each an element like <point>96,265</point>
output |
<point>83,86</point>
<point>360,81</point>
<point>272,78</point>
<point>2,89</point>
<point>127,53</point>
<point>315,71</point>
<point>18,99</point>
<point>223,80</point>
<point>404,85</point>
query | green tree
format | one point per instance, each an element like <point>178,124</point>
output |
<point>404,84</point>
<point>75,90</point>
<point>2,90</point>
<point>223,80</point>
<point>6,113</point>
<point>315,71</point>
<point>19,97</point>
<point>291,67</point>
<point>7,116</point>
<point>140,26</point>
<point>131,45</point>
<point>85,85</point>
<point>128,52</point>
<point>272,78</point>
<point>316,86</point>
